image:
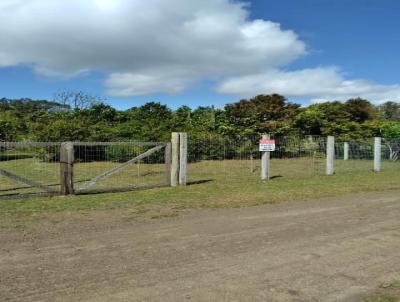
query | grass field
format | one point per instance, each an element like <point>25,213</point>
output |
<point>229,183</point>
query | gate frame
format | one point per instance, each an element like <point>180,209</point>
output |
<point>83,188</point>
<point>175,158</point>
<point>22,179</point>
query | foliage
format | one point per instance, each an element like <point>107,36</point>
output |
<point>80,117</point>
<point>390,111</point>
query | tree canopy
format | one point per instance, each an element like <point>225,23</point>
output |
<point>84,118</point>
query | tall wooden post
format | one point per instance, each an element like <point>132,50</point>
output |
<point>175,159</point>
<point>66,168</point>
<point>346,151</point>
<point>377,154</point>
<point>265,162</point>
<point>167,157</point>
<point>330,155</point>
<point>182,158</point>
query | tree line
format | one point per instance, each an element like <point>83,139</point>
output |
<point>80,117</point>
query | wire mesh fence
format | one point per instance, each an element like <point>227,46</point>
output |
<point>351,156</point>
<point>358,155</point>
<point>219,157</point>
<point>29,168</point>
<point>117,166</point>
<point>35,167</point>
<point>391,155</point>
<point>216,157</point>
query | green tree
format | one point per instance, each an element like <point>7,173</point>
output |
<point>390,111</point>
<point>263,113</point>
<point>361,110</point>
<point>310,121</point>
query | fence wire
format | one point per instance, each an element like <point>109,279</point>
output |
<point>28,168</point>
<point>96,159</point>
<point>391,155</point>
<point>34,167</point>
<point>358,155</point>
<point>216,157</point>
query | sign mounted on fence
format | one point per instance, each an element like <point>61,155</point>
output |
<point>267,145</point>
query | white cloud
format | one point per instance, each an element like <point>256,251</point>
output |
<point>142,43</point>
<point>131,84</point>
<point>166,46</point>
<point>325,83</point>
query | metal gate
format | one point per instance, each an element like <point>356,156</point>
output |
<point>119,166</point>
<point>29,168</point>
<point>82,167</point>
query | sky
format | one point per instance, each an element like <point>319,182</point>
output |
<point>200,53</point>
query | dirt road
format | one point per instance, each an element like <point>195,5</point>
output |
<point>324,250</point>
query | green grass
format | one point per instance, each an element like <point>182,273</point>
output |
<point>381,298</point>
<point>386,293</point>
<point>221,184</point>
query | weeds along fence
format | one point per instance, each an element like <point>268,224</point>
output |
<point>76,168</point>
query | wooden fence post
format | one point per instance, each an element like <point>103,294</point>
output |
<point>175,159</point>
<point>66,168</point>
<point>377,154</point>
<point>330,155</point>
<point>346,151</point>
<point>183,158</point>
<point>265,162</point>
<point>167,157</point>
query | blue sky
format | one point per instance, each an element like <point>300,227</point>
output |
<point>361,36</point>
<point>324,49</point>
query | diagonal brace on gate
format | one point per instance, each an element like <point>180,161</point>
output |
<point>26,181</point>
<point>119,168</point>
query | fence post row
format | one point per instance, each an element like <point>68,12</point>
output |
<point>66,168</point>
<point>377,154</point>
<point>330,155</point>
<point>346,151</point>
<point>265,161</point>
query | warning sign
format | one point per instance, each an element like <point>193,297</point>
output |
<point>267,145</point>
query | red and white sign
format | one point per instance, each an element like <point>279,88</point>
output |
<point>267,145</point>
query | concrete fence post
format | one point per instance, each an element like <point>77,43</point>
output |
<point>265,162</point>
<point>67,168</point>
<point>330,155</point>
<point>346,151</point>
<point>183,158</point>
<point>174,159</point>
<point>377,154</point>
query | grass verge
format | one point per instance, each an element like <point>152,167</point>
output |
<point>211,194</point>
<point>386,293</point>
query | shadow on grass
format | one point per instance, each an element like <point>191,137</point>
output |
<point>14,157</point>
<point>118,190</point>
<point>27,195</point>
<point>198,182</point>
<point>48,185</point>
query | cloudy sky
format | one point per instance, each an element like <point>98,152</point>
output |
<point>200,52</point>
